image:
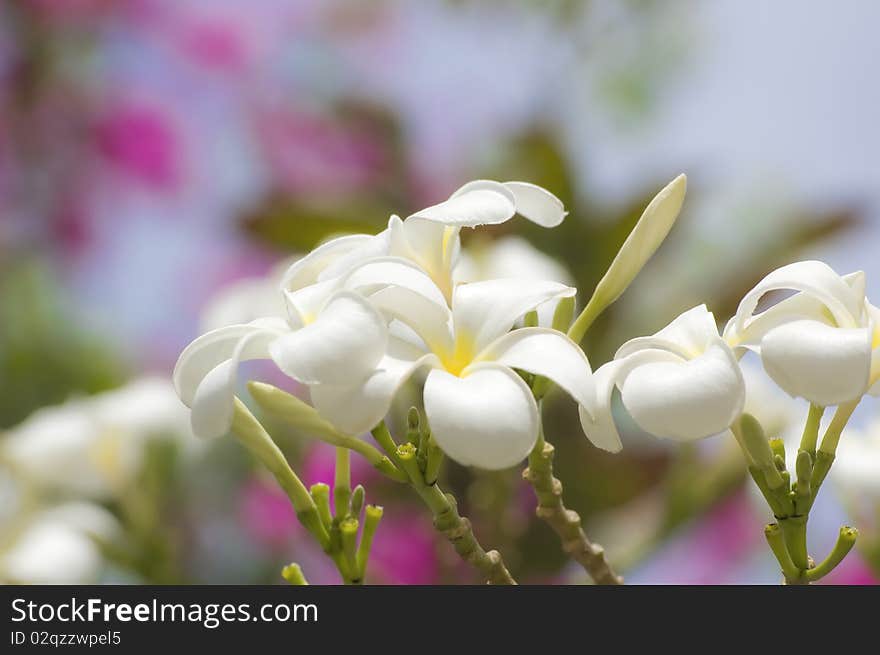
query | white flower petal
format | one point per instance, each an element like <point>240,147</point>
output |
<point>358,408</point>
<point>597,420</point>
<point>487,419</point>
<point>812,278</point>
<point>481,202</point>
<point>545,352</point>
<point>214,347</point>
<point>431,322</point>
<point>212,404</point>
<point>393,271</point>
<point>483,311</point>
<point>432,246</point>
<point>812,360</point>
<point>537,204</point>
<point>686,400</point>
<point>344,343</point>
<point>688,335</point>
<point>306,271</point>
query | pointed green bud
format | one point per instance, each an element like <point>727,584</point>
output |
<point>357,500</point>
<point>412,426</point>
<point>777,445</point>
<point>653,226</point>
<point>294,575</point>
<point>754,441</point>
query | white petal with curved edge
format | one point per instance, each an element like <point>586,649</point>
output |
<point>393,271</point>
<point>812,278</point>
<point>686,400</point>
<point>344,343</point>
<point>824,364</point>
<point>596,417</point>
<point>305,271</point>
<point>358,408</point>
<point>688,335</point>
<point>482,202</point>
<point>487,419</point>
<point>544,352</point>
<point>796,307</point>
<point>597,420</point>
<point>432,246</point>
<point>378,246</point>
<point>483,311</point>
<point>304,305</point>
<point>537,204</point>
<point>215,347</point>
<point>432,323</point>
<point>644,240</point>
<point>212,405</point>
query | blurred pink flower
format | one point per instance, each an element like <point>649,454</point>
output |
<point>404,551</point>
<point>308,154</point>
<point>267,513</point>
<point>319,465</point>
<point>852,571</point>
<point>142,142</point>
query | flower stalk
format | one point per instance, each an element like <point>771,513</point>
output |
<point>443,506</point>
<point>565,522</point>
<point>791,503</point>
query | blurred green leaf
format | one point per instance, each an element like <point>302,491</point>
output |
<point>44,355</point>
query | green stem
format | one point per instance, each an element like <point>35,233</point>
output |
<point>348,529</point>
<point>565,522</point>
<point>585,319</point>
<point>456,528</point>
<point>826,453</point>
<point>810,437</point>
<point>321,495</point>
<point>776,541</point>
<point>342,482</point>
<point>306,418</point>
<point>846,539</point>
<point>372,516</point>
<point>250,432</point>
<point>794,530</point>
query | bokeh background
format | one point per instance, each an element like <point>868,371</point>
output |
<point>155,152</point>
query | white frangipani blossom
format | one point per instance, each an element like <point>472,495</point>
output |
<point>58,545</point>
<point>480,411</point>
<point>94,445</point>
<point>822,343</point>
<point>332,333</point>
<point>682,383</point>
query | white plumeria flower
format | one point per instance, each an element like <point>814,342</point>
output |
<point>480,411</point>
<point>821,344</point>
<point>332,334</point>
<point>94,445</point>
<point>512,258</point>
<point>682,383</point>
<point>57,545</point>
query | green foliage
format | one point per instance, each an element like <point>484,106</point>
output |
<point>44,355</point>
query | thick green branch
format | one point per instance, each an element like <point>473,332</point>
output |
<point>456,528</point>
<point>565,522</point>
